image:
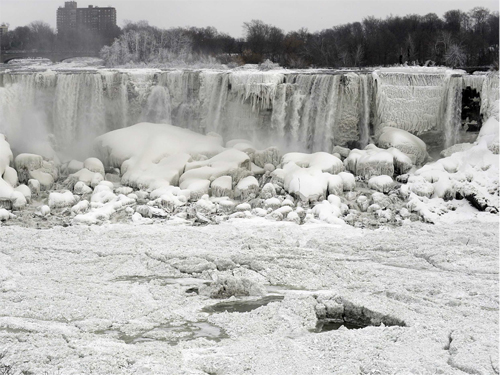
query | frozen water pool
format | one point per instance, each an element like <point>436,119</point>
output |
<point>112,298</point>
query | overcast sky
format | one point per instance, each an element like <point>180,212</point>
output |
<point>228,15</point>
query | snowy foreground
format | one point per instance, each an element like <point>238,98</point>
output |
<point>117,299</point>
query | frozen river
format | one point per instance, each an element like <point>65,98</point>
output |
<point>123,299</point>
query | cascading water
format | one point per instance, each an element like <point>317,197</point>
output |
<point>305,111</point>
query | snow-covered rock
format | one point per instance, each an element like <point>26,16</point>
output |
<point>382,183</point>
<point>404,141</point>
<point>247,188</point>
<point>94,165</point>
<point>60,200</point>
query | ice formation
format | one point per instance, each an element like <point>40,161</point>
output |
<point>304,111</point>
<point>227,154</point>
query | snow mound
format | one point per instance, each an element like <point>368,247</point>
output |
<point>489,134</point>
<point>154,155</point>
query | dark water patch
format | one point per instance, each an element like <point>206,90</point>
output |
<point>242,305</point>
<point>325,325</point>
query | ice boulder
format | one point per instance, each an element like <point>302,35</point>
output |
<point>80,207</point>
<point>82,188</point>
<point>320,160</point>
<point>154,155</point>
<point>268,156</point>
<point>222,187</point>
<point>34,186</point>
<point>268,191</point>
<point>382,183</point>
<point>94,165</point>
<point>85,176</point>
<point>5,215</point>
<point>60,200</point>
<point>25,163</point>
<point>348,181</point>
<point>246,188</point>
<point>8,197</point>
<point>404,141</point>
<point>328,212</point>
<point>24,190</point>
<point>308,185</point>
<point>198,175</point>
<point>73,166</point>
<point>152,142</point>
<point>372,161</point>
<point>10,176</point>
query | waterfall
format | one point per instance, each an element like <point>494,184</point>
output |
<point>297,110</point>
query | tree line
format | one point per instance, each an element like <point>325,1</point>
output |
<point>457,39</point>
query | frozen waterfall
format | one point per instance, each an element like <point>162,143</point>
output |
<point>297,110</point>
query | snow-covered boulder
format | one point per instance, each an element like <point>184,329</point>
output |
<point>154,155</point>
<point>222,187</point>
<point>247,188</point>
<point>372,161</point>
<point>60,200</point>
<point>31,166</point>
<point>73,166</point>
<point>329,212</point>
<point>6,215</point>
<point>34,186</point>
<point>348,181</point>
<point>382,183</point>
<point>25,163</point>
<point>268,191</point>
<point>10,176</point>
<point>81,207</point>
<point>24,190</point>
<point>94,165</point>
<point>82,188</point>
<point>320,160</point>
<point>404,141</point>
<point>44,210</point>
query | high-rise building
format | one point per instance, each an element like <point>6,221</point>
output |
<point>94,18</point>
<point>4,28</point>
